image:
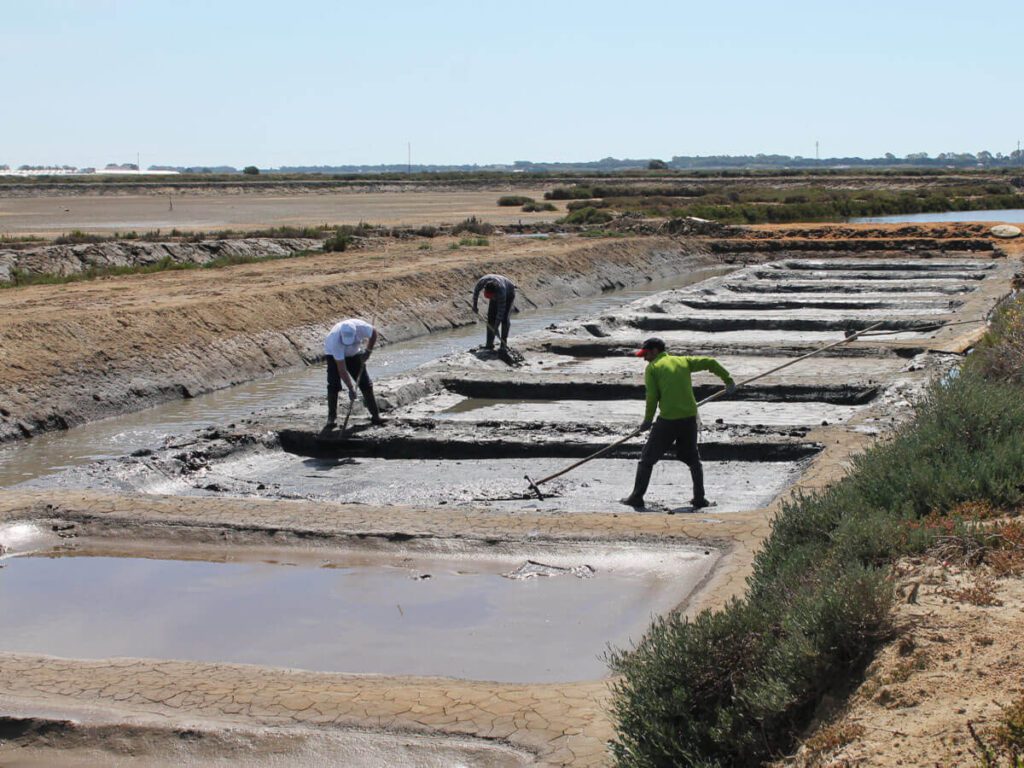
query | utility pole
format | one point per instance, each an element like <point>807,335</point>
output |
<point>816,155</point>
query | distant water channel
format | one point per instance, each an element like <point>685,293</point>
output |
<point>1007,214</point>
<point>120,435</point>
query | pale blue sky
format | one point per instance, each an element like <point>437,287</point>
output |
<point>203,82</point>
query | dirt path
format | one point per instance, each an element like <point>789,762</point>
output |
<point>190,211</point>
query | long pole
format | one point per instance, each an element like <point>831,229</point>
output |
<point>534,485</point>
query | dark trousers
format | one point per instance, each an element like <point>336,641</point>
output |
<point>356,367</point>
<point>500,324</point>
<point>681,433</point>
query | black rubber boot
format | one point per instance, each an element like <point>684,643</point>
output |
<point>643,479</point>
<point>371,405</point>
<point>699,501</point>
<point>332,411</point>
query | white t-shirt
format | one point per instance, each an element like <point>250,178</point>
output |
<point>346,338</point>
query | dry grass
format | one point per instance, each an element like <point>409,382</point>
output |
<point>1002,744</point>
<point>834,736</point>
<point>981,592</point>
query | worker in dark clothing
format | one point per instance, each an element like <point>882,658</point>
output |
<point>500,293</point>
<point>670,388</point>
<point>346,363</point>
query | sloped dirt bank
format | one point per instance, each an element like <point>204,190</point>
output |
<point>65,260</point>
<point>79,352</point>
<point>957,662</point>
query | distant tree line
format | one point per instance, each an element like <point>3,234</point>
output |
<point>982,159</point>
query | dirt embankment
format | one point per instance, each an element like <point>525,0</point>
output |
<point>67,260</point>
<point>79,352</point>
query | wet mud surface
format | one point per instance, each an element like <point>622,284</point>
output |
<point>39,742</point>
<point>462,432</point>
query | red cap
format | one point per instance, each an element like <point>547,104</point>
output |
<point>488,294</point>
<point>640,352</point>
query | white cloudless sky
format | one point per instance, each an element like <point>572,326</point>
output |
<point>321,82</point>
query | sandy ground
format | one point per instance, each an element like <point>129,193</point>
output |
<point>51,216</point>
<point>953,663</point>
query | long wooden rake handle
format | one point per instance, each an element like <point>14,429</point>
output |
<point>535,484</point>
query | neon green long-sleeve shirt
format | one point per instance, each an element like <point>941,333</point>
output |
<point>670,385</point>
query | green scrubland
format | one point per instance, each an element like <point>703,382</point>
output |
<point>763,203</point>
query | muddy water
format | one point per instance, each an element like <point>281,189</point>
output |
<point>412,614</point>
<point>50,453</point>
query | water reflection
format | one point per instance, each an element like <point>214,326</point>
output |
<point>1006,214</point>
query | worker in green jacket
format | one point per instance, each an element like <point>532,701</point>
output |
<point>670,388</point>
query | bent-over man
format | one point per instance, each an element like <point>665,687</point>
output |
<point>500,293</point>
<point>346,363</point>
<point>670,388</point>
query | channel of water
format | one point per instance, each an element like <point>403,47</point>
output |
<point>1006,214</point>
<point>120,435</point>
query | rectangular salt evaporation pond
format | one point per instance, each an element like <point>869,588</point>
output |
<point>691,342</point>
<point>454,616</point>
<point>498,483</point>
<point>835,369</point>
<point>740,412</point>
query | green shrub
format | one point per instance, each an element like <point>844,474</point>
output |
<point>474,242</point>
<point>537,207</point>
<point>514,200</point>
<point>339,241</point>
<point>474,226</point>
<point>569,193</point>
<point>588,215</point>
<point>576,205</point>
<point>1000,355</point>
